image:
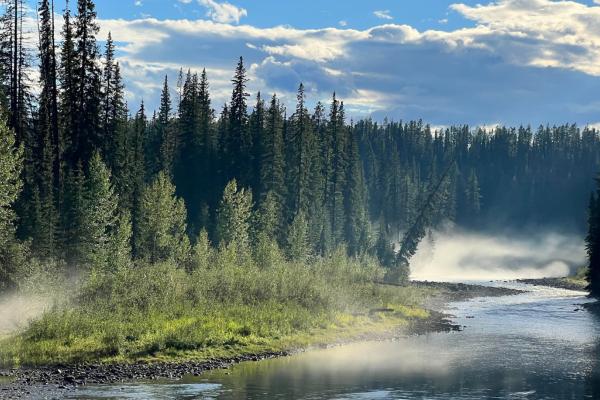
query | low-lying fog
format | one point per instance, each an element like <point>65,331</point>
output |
<point>453,255</point>
<point>17,310</point>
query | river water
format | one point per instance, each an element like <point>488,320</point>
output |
<point>529,346</point>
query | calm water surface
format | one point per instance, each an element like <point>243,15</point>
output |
<point>529,346</point>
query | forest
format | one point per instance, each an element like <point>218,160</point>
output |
<point>152,209</point>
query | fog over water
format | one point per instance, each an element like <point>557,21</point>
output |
<point>453,255</point>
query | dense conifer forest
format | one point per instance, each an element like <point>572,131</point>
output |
<point>89,182</point>
<point>243,228</point>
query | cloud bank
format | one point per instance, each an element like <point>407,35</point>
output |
<point>521,61</point>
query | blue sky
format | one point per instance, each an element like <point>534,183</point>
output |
<point>447,62</point>
<point>422,14</point>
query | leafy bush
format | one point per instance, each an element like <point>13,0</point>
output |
<point>221,301</point>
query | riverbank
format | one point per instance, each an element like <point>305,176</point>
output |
<point>376,324</point>
<point>569,283</point>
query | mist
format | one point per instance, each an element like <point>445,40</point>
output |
<point>454,255</point>
<point>17,310</point>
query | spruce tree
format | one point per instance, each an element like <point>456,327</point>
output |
<point>358,234</point>
<point>121,161</point>
<point>207,157</point>
<point>234,217</point>
<point>100,218</point>
<point>337,170</point>
<point>43,231</point>
<point>136,164</point>
<point>15,60</point>
<point>189,153</point>
<point>161,231</point>
<point>301,162</point>
<point>88,136</point>
<point>48,99</point>
<point>120,243</point>
<point>272,155</point>
<point>473,197</point>
<point>168,138</point>
<point>107,82</point>
<point>11,158</point>
<point>112,113</point>
<point>298,246</point>
<point>257,131</point>
<point>239,141</point>
<point>71,216</point>
<point>592,241</point>
<point>6,52</point>
<point>117,119</point>
<point>267,221</point>
<point>68,93</point>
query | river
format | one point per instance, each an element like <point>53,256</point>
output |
<point>537,345</point>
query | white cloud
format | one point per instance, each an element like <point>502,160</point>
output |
<point>383,14</point>
<point>542,33</point>
<point>223,12</point>
<point>517,52</point>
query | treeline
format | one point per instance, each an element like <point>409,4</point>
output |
<point>501,179</point>
<point>90,182</point>
<point>100,185</point>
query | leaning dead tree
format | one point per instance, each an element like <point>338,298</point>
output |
<point>418,228</point>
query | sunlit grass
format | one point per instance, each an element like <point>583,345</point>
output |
<point>162,312</point>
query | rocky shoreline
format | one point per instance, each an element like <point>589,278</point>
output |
<point>49,382</point>
<point>52,382</point>
<point>559,283</point>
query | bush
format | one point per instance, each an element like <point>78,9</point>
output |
<point>220,301</point>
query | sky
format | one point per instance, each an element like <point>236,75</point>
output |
<point>472,62</point>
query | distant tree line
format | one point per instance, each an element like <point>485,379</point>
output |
<point>89,182</point>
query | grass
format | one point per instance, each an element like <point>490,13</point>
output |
<point>232,306</point>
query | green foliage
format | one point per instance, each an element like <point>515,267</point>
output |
<point>336,171</point>
<point>165,131</point>
<point>41,278</point>
<point>161,232</point>
<point>238,141</point>
<point>11,252</point>
<point>473,196</point>
<point>234,217</point>
<point>417,229</point>
<point>592,241</point>
<point>99,219</point>
<point>87,134</point>
<point>298,246</point>
<point>302,254</point>
<point>267,219</point>
<point>202,252</point>
<point>272,154</point>
<point>160,310</point>
<point>11,158</point>
<point>72,215</point>
<point>120,243</point>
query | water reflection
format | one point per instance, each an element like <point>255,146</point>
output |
<point>531,346</point>
<point>592,387</point>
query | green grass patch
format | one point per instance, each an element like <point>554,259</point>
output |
<point>230,308</point>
